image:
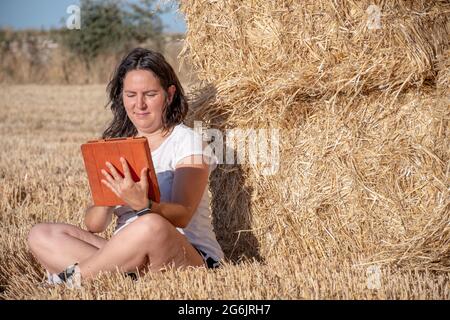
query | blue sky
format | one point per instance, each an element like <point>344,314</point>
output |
<point>37,14</point>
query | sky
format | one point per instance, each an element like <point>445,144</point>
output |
<point>45,14</point>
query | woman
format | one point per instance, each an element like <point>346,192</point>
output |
<point>147,100</point>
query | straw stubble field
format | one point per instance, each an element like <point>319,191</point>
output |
<point>359,207</point>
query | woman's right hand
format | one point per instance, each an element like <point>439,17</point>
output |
<point>97,219</point>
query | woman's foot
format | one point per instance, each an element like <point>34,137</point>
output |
<point>71,276</point>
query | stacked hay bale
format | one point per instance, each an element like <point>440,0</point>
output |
<point>359,93</point>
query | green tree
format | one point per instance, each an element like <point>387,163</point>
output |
<point>144,21</point>
<point>112,25</point>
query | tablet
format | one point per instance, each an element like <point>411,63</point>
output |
<point>136,151</point>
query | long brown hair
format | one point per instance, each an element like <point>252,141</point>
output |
<point>143,59</point>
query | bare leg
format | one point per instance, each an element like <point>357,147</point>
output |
<point>149,241</point>
<point>57,246</point>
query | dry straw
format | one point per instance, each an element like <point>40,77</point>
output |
<point>443,80</point>
<point>363,179</point>
<point>364,140</point>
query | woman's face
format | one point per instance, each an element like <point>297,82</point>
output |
<point>144,100</point>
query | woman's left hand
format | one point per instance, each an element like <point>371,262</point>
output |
<point>133,193</point>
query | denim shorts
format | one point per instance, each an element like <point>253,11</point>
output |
<point>209,261</point>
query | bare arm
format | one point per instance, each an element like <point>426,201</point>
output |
<point>190,181</point>
<point>97,219</point>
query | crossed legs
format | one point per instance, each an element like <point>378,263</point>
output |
<point>150,242</point>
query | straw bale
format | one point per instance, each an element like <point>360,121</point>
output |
<point>284,51</point>
<point>372,181</point>
<point>443,81</point>
<point>364,138</point>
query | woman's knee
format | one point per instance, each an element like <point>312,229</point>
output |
<point>43,234</point>
<point>38,235</point>
<point>154,228</point>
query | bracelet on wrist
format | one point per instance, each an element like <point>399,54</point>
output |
<point>146,210</point>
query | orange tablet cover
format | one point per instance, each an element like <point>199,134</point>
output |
<point>137,153</point>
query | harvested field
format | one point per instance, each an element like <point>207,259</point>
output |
<point>358,207</point>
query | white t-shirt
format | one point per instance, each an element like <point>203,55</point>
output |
<point>182,142</point>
